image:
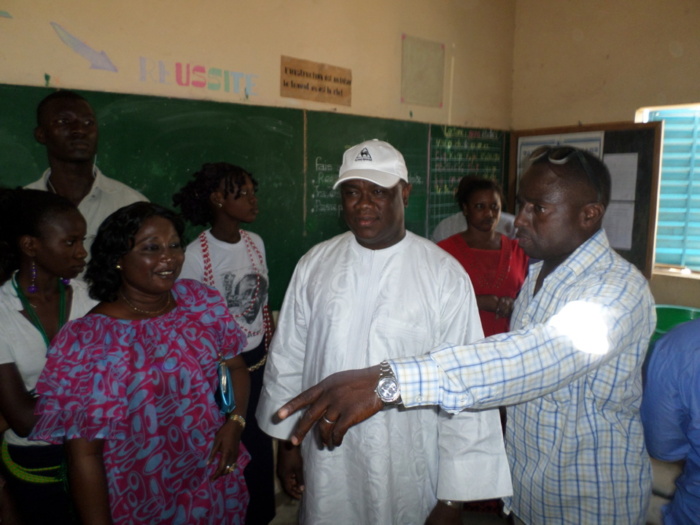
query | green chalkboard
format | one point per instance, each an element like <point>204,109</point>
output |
<point>154,144</point>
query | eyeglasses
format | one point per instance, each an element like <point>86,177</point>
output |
<point>561,155</point>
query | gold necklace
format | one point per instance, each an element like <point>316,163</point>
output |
<point>147,312</point>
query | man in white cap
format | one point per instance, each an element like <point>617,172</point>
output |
<point>374,293</point>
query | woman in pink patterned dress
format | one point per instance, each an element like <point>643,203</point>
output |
<point>130,386</point>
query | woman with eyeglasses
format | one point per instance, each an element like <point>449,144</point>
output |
<point>496,265</point>
<point>130,387</point>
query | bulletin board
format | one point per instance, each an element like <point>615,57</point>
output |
<point>618,140</point>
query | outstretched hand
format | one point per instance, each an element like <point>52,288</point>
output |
<point>340,401</point>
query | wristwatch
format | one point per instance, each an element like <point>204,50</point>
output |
<point>388,387</point>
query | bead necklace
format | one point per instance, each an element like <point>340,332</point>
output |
<point>147,312</point>
<point>33,316</point>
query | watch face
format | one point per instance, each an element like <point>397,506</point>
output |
<point>388,389</point>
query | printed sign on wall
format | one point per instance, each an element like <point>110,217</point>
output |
<point>315,81</point>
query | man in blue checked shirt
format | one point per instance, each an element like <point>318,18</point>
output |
<point>569,372</point>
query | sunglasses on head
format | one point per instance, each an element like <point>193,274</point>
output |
<point>561,155</point>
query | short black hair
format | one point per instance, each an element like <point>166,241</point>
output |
<point>193,198</point>
<point>115,238</point>
<point>470,184</point>
<point>61,94</point>
<point>577,165</point>
<point>25,212</point>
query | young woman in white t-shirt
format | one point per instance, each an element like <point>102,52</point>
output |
<point>232,260</point>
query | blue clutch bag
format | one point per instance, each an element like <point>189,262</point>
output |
<point>224,389</point>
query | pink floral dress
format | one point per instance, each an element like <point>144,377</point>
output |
<point>147,389</point>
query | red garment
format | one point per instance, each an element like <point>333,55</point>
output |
<point>492,272</point>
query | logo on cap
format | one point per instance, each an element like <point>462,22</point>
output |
<point>363,155</point>
<point>385,166</point>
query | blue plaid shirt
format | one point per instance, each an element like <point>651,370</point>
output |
<point>569,373</point>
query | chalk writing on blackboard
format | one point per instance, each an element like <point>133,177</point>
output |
<point>324,199</point>
<point>454,153</point>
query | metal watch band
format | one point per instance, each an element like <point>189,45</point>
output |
<point>387,385</point>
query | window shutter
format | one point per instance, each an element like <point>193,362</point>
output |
<point>678,228</point>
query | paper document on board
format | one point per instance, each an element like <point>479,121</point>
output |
<point>619,217</point>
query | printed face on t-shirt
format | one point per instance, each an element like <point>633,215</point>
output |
<point>245,296</point>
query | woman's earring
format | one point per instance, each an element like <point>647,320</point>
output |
<point>118,267</point>
<point>32,288</point>
<point>220,204</point>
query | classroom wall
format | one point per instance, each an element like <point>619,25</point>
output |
<point>668,288</point>
<point>133,46</point>
<point>592,61</point>
<point>510,64</point>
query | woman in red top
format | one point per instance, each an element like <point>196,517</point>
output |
<point>496,265</point>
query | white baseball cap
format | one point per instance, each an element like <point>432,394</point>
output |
<point>375,161</point>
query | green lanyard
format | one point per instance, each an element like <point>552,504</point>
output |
<point>33,317</point>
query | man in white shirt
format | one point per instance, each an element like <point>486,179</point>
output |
<point>373,293</point>
<point>67,127</point>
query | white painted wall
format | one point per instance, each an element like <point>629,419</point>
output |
<point>145,40</point>
<point>594,61</point>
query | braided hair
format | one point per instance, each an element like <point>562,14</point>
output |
<point>194,197</point>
